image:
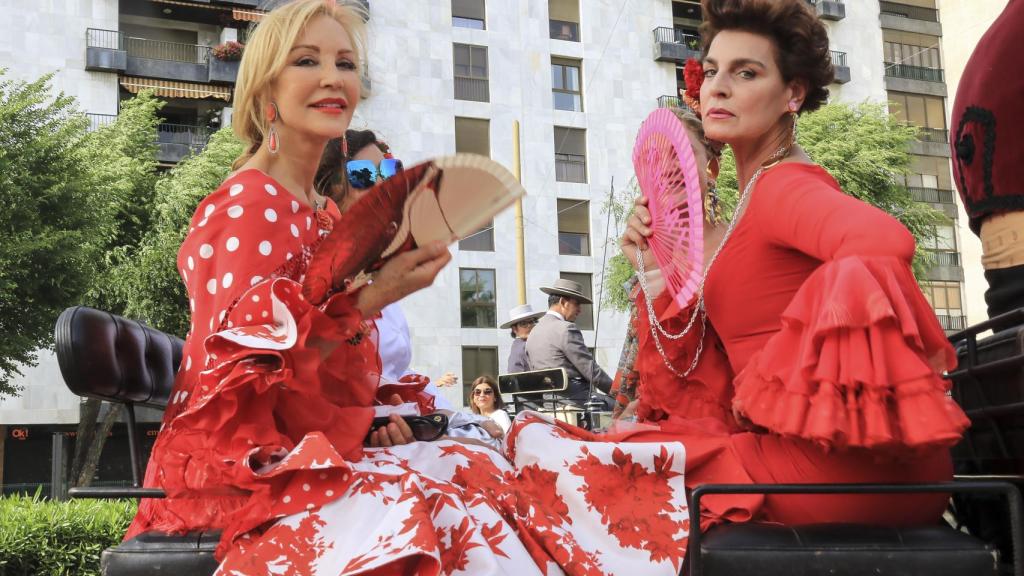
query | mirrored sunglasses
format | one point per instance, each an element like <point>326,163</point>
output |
<point>363,174</point>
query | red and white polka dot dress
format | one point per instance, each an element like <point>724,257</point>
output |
<point>263,438</point>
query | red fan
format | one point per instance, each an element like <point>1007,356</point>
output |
<point>445,199</point>
<point>666,172</point>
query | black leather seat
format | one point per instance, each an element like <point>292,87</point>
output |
<point>102,355</point>
<point>844,550</point>
<point>156,553</point>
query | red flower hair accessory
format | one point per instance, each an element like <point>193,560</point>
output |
<point>693,77</point>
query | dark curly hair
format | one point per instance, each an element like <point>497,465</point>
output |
<point>330,173</point>
<point>800,39</point>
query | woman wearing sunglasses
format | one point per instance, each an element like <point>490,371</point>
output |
<point>370,162</point>
<point>487,401</point>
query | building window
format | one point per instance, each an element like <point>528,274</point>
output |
<point>468,14</point>
<point>471,73</point>
<point>926,112</point>
<point>565,84</point>
<point>945,300</point>
<point>585,321</point>
<point>570,154</point>
<point>477,298</point>
<point>473,136</point>
<point>574,227</point>
<point>477,361</point>
<point>564,20</point>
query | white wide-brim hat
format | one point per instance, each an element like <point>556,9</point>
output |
<point>563,287</point>
<point>521,313</point>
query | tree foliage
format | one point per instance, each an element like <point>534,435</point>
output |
<point>145,277</point>
<point>122,160</point>
<point>53,225</point>
<point>867,152</point>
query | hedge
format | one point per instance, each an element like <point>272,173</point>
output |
<point>45,537</point>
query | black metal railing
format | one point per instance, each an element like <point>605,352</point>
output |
<point>97,121</point>
<point>933,195</point>
<point>570,168</point>
<point>172,51</point>
<point>670,102</point>
<point>98,38</point>
<point>894,70</point>
<point>938,135</point>
<point>674,36</point>
<point>952,322</point>
<point>943,258</point>
<point>906,11</point>
<point>194,137</point>
<point>564,30</point>
<point>146,48</point>
<point>838,58</point>
<point>475,89</point>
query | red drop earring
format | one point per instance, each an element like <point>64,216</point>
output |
<point>273,141</point>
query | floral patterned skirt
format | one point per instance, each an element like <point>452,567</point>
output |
<point>564,502</point>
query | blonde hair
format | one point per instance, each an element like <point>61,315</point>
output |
<point>266,55</point>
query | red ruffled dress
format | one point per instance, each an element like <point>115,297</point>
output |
<point>820,339</point>
<point>251,384</point>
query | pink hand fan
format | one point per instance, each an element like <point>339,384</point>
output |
<point>666,171</point>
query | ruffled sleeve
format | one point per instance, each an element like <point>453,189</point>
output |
<point>705,395</point>
<point>858,355</point>
<point>274,394</point>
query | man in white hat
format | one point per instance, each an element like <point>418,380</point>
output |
<point>556,342</point>
<point>521,320</point>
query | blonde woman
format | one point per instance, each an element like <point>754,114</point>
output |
<point>267,434</point>
<point>250,388</point>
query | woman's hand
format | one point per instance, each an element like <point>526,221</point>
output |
<point>493,429</point>
<point>637,232</point>
<point>447,379</point>
<point>396,433</point>
<point>402,275</point>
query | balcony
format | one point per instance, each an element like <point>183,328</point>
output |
<point>97,121</point>
<point>570,168</point>
<point>842,70</point>
<point>113,51</point>
<point>946,267</point>
<point>174,141</point>
<point>670,102</point>
<point>671,45</point>
<point>829,9</point>
<point>906,18</point>
<point>932,195</point>
<point>931,142</point>
<point>475,89</point>
<point>563,30</point>
<point>914,79</point>
<point>952,323</point>
<point>178,141</point>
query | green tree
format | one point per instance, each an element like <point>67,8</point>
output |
<point>122,170</point>
<point>122,157</point>
<point>145,277</point>
<point>52,222</point>
<point>865,149</point>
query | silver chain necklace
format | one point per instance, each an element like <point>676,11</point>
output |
<point>699,310</point>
